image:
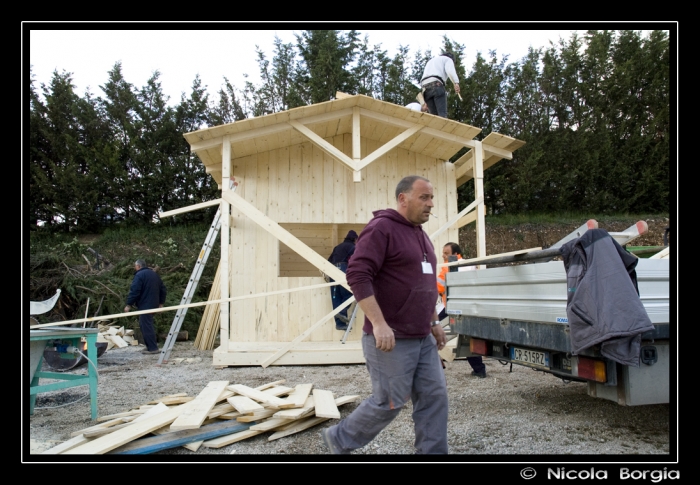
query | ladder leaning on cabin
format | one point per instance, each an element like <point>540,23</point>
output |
<point>191,288</point>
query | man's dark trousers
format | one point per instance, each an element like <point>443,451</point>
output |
<point>436,99</point>
<point>148,330</point>
<point>339,294</point>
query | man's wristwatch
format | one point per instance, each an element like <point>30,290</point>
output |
<point>434,322</point>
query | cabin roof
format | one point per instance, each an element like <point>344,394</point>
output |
<point>381,121</point>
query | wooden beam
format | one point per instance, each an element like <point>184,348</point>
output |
<point>269,424</point>
<point>258,396</point>
<point>454,219</point>
<point>468,218</point>
<point>296,413</point>
<point>286,237</point>
<point>194,416</point>
<point>437,133</point>
<point>323,144</point>
<point>189,208</point>
<point>356,144</point>
<point>267,130</point>
<point>325,404</point>
<point>224,236</point>
<point>461,160</point>
<point>468,143</point>
<point>487,258</point>
<point>306,333</point>
<point>231,438</point>
<point>297,426</point>
<point>479,196</point>
<point>180,438</point>
<point>356,154</point>
<point>244,404</point>
<point>397,140</point>
<point>298,397</point>
<point>188,305</point>
<point>122,436</point>
<point>465,167</point>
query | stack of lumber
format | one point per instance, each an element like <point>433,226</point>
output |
<point>115,336</point>
<point>221,414</point>
<point>209,325</point>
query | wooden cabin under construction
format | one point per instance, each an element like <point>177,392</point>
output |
<point>305,177</point>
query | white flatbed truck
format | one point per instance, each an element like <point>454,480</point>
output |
<point>517,315</point>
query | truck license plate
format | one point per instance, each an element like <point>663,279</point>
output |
<point>529,357</point>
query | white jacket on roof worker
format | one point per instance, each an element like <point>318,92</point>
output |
<point>435,75</point>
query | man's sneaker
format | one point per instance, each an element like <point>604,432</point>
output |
<point>334,450</point>
<point>479,374</point>
<point>150,351</point>
<point>341,327</point>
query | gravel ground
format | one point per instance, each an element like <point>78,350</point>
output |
<point>518,412</point>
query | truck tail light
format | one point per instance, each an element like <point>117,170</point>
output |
<point>478,346</point>
<point>592,369</point>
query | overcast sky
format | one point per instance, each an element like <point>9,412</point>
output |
<point>214,54</point>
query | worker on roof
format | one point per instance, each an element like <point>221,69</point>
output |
<point>435,75</point>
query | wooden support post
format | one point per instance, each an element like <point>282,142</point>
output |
<point>479,195</point>
<point>225,241</point>
<point>356,152</point>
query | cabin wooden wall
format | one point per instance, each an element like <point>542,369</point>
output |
<point>313,196</point>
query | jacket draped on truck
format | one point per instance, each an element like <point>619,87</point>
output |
<point>603,304</point>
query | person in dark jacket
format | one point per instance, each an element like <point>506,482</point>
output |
<point>392,275</point>
<point>340,257</point>
<point>147,291</point>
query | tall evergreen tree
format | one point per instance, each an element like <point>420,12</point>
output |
<point>327,58</point>
<point>119,106</point>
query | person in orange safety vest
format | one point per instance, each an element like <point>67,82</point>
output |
<point>453,249</point>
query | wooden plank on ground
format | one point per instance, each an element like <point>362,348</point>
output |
<point>122,436</point>
<point>325,404</point>
<point>101,426</point>
<point>270,384</point>
<point>298,397</point>
<point>269,424</point>
<point>179,438</point>
<point>257,416</point>
<point>296,413</point>
<point>301,425</point>
<point>67,445</point>
<point>229,439</point>
<point>220,409</point>
<point>256,395</point>
<point>244,404</point>
<point>150,411</point>
<point>133,412</point>
<point>278,391</point>
<point>204,402</point>
<point>298,426</point>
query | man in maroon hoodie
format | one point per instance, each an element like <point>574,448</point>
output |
<point>392,275</point>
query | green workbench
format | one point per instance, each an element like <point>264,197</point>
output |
<point>38,340</point>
